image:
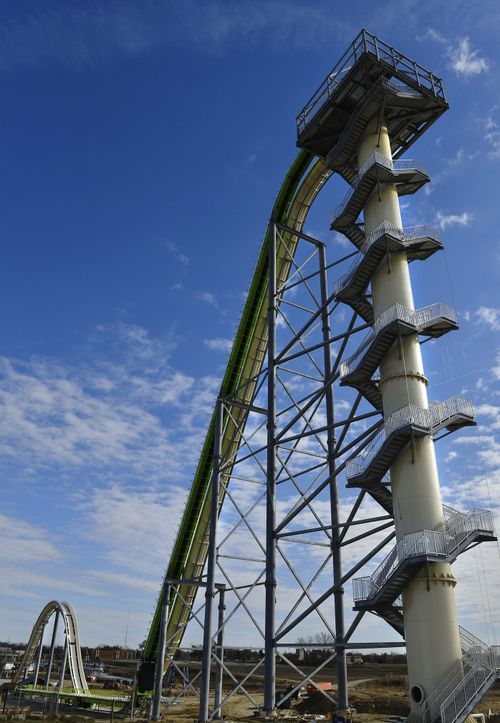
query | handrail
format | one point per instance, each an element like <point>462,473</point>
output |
<point>472,649</point>
<point>365,42</point>
<point>427,419</point>
<point>469,642</point>
<point>419,318</point>
<point>399,164</point>
<point>458,700</point>
<point>390,83</point>
<point>440,543</point>
<point>405,236</point>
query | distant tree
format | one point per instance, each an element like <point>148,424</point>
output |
<point>321,638</point>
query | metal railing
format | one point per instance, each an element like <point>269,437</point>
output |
<point>427,419</point>
<point>472,650</point>
<point>472,646</point>
<point>425,542</point>
<point>398,419</point>
<point>390,83</point>
<point>440,543</point>
<point>365,42</point>
<point>419,318</point>
<point>405,236</point>
<point>400,164</point>
<point>441,411</point>
<point>456,704</point>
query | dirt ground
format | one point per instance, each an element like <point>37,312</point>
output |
<point>381,699</point>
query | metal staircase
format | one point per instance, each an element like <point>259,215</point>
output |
<point>397,321</point>
<point>472,689</point>
<point>368,468</point>
<point>466,683</point>
<point>419,242</point>
<point>400,102</point>
<point>372,83</point>
<point>377,169</point>
<point>458,533</point>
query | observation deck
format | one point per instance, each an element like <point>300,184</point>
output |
<point>419,242</point>
<point>403,173</point>
<point>397,321</point>
<point>369,75</point>
<point>367,469</point>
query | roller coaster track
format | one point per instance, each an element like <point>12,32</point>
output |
<point>300,188</point>
<point>77,673</point>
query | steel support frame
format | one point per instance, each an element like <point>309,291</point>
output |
<point>285,427</point>
<point>335,529</point>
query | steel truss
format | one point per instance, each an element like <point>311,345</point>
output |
<point>280,491</point>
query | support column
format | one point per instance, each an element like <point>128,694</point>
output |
<point>431,627</point>
<point>52,646</point>
<point>212,559</point>
<point>338,595</point>
<point>160,658</point>
<point>270,581</point>
<point>62,672</point>
<point>219,671</point>
<point>39,657</point>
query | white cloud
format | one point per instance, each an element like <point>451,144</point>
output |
<point>126,521</point>
<point>102,416</point>
<point>445,220</point>
<point>23,542</point>
<point>492,137</point>
<point>207,297</point>
<point>433,35</point>
<point>342,240</point>
<point>218,344</point>
<point>465,61</point>
<point>81,37</point>
<point>176,253</point>
<point>488,316</point>
<point>496,369</point>
<point>457,159</point>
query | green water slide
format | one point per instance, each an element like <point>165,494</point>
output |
<point>301,185</point>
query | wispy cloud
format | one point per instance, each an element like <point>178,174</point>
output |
<point>492,136</point>
<point>116,515</point>
<point>98,414</point>
<point>496,368</point>
<point>218,344</point>
<point>487,316</point>
<point>444,220</point>
<point>176,253</point>
<point>88,35</point>
<point>207,297</point>
<point>463,59</point>
<point>23,542</point>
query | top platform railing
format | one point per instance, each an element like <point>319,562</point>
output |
<point>365,42</point>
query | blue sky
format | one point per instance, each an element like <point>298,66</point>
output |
<point>142,145</point>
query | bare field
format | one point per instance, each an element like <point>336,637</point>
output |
<point>378,699</point>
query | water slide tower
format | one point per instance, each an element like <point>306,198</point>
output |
<point>370,109</point>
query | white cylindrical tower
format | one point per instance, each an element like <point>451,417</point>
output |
<point>430,620</point>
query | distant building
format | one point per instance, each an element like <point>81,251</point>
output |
<point>115,652</point>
